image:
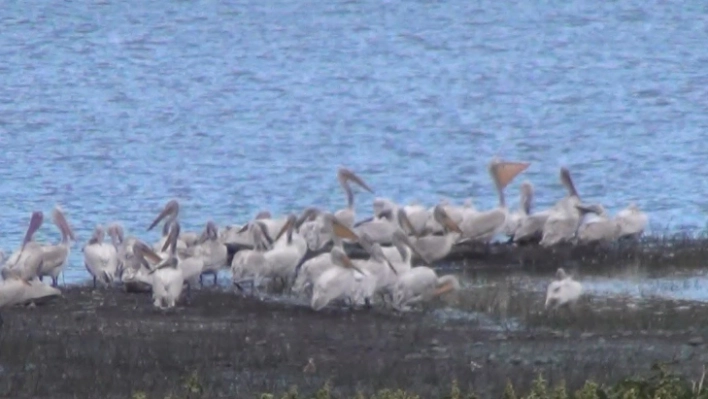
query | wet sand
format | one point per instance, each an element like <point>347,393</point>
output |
<point>111,344</point>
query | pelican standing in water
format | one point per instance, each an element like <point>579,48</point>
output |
<point>421,284</point>
<point>563,291</point>
<point>563,222</point>
<point>483,226</point>
<point>347,215</point>
<point>100,258</point>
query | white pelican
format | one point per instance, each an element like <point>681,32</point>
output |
<point>564,219</point>
<point>347,215</point>
<point>288,248</point>
<point>381,228</point>
<point>530,227</point>
<point>515,219</point>
<point>337,282</point>
<point>14,290</point>
<point>250,264</point>
<point>29,246</point>
<point>596,225</point>
<point>435,247</point>
<point>379,272</point>
<point>455,212</point>
<point>100,258</point>
<point>212,252</point>
<point>563,291</point>
<point>632,221</point>
<point>418,215</point>
<point>54,257</point>
<point>326,229</point>
<point>483,226</point>
<point>170,213</point>
<point>167,276</point>
<point>421,284</point>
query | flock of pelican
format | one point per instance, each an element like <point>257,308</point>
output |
<point>310,254</point>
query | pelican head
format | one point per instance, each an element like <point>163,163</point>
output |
<point>564,290</point>
<point>171,209</point>
<point>308,215</point>
<point>60,220</point>
<point>561,274</point>
<point>35,223</point>
<point>567,182</point>
<point>591,208</point>
<point>143,252</point>
<point>444,219</point>
<point>263,215</point>
<point>334,226</point>
<point>171,240</point>
<point>211,232</point>
<point>288,228</point>
<point>527,196</point>
<point>13,274</point>
<point>446,284</point>
<point>98,235</point>
<point>341,259</point>
<point>504,172</point>
<point>405,223</point>
<point>115,231</point>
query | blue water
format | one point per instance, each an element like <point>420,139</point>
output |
<point>111,108</point>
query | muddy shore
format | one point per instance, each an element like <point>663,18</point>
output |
<point>111,344</point>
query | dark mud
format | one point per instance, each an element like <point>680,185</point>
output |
<point>111,344</point>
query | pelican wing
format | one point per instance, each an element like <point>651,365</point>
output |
<point>483,224</point>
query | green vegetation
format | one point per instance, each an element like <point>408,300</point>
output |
<point>661,384</point>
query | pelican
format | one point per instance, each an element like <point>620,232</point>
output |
<point>170,213</point>
<point>29,246</point>
<point>596,225</point>
<point>563,291</point>
<point>632,221</point>
<point>564,219</point>
<point>124,248</point>
<point>456,213</point>
<point>54,257</point>
<point>530,226</point>
<point>270,226</point>
<point>15,290</point>
<point>421,284</point>
<point>283,258</point>
<point>325,230</point>
<point>379,271</point>
<point>250,264</point>
<point>418,215</point>
<point>483,226</point>
<point>515,219</point>
<point>381,229</point>
<point>344,176</point>
<point>435,247</point>
<point>167,276</point>
<point>337,282</point>
<point>100,258</point>
<point>212,253</point>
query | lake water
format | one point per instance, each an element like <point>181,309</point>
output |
<point>110,108</point>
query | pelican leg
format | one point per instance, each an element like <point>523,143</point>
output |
<point>1,321</point>
<point>367,303</point>
<point>94,282</point>
<point>216,277</point>
<point>55,281</point>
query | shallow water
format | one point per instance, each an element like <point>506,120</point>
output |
<point>111,108</point>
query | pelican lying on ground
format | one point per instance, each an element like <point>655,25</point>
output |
<point>100,258</point>
<point>347,215</point>
<point>435,247</point>
<point>15,290</point>
<point>563,291</point>
<point>530,228</point>
<point>596,225</point>
<point>421,284</point>
<point>337,282</point>
<point>563,222</point>
<point>483,226</point>
<point>387,222</point>
<point>632,221</point>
